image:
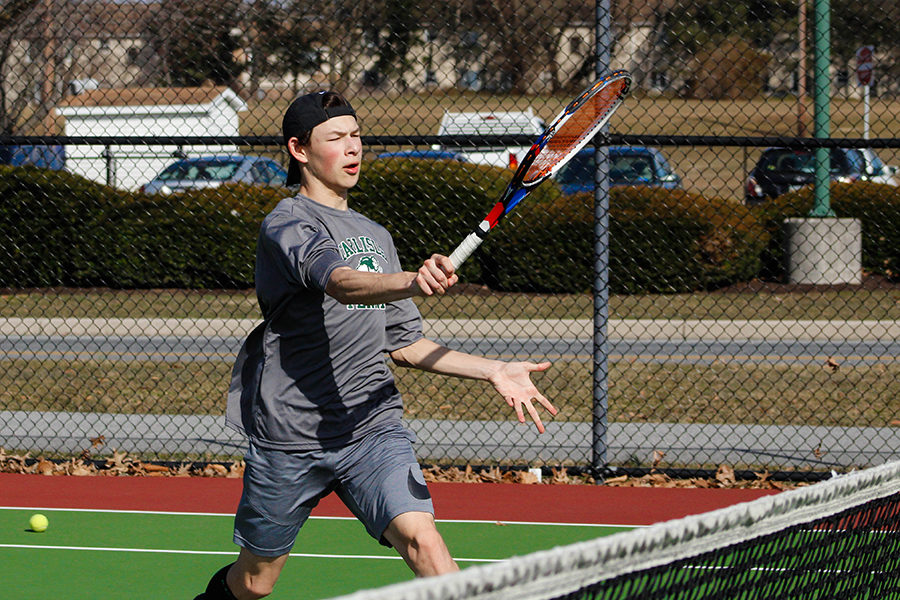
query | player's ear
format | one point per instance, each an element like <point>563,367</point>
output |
<point>298,150</point>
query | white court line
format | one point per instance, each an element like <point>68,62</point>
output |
<point>323,518</point>
<point>133,512</point>
<point>222,552</point>
<point>234,553</point>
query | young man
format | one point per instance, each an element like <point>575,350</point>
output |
<point>311,388</point>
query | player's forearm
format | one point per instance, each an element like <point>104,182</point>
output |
<point>429,356</point>
<point>349,286</point>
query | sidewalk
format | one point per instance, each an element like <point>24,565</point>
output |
<point>768,446</point>
<point>637,329</point>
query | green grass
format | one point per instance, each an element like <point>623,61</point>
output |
<point>122,304</point>
<point>863,304</point>
<point>721,392</point>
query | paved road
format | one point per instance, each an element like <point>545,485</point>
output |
<point>626,329</point>
<point>692,341</point>
<point>201,349</point>
<point>774,447</point>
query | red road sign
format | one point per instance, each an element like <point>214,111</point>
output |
<point>864,64</point>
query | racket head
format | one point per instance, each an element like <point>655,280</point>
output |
<point>574,127</point>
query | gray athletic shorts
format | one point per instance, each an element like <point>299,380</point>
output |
<point>377,478</point>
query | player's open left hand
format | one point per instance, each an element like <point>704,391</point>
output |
<point>513,381</point>
<point>436,275</point>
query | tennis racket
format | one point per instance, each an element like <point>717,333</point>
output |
<point>574,127</point>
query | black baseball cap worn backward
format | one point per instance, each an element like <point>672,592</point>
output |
<point>302,115</point>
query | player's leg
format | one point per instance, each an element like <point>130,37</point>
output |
<point>382,484</point>
<point>280,491</point>
<point>252,576</point>
<point>415,536</point>
<point>249,578</point>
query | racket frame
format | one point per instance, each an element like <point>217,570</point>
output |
<point>518,188</point>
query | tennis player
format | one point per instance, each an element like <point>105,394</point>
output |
<point>311,388</point>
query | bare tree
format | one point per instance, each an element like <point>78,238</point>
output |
<point>13,98</point>
<point>514,44</point>
<point>36,45</point>
<point>197,41</point>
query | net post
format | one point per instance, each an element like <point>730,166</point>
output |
<point>599,411</point>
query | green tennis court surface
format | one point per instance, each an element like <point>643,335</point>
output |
<point>137,555</point>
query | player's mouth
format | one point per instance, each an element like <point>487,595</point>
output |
<point>352,168</point>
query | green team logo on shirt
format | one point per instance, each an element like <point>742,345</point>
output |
<point>369,263</point>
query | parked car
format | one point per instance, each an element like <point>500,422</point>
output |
<point>212,171</point>
<point>477,124</point>
<point>877,171</point>
<point>782,170</point>
<point>47,157</point>
<point>628,165</point>
<point>425,154</point>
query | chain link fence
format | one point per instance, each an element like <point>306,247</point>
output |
<point>697,307</point>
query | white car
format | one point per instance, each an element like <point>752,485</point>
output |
<point>477,124</point>
<point>877,171</point>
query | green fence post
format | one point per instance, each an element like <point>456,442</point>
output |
<point>822,100</point>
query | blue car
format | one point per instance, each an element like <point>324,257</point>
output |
<point>213,171</point>
<point>47,157</point>
<point>628,165</point>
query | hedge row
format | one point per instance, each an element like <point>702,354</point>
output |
<point>660,241</point>
<point>57,229</point>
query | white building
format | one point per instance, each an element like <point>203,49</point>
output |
<point>145,112</point>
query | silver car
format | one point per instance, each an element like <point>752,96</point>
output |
<point>212,171</point>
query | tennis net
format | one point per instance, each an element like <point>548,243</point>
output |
<point>836,539</point>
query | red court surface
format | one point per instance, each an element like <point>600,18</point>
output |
<point>453,501</point>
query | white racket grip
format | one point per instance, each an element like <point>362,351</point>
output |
<point>465,249</point>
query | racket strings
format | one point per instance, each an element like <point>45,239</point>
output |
<point>577,130</point>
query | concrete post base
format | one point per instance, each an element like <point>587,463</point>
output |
<point>823,250</point>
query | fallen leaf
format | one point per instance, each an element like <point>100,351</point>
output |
<point>725,476</point>
<point>215,470</point>
<point>526,477</point>
<point>616,480</point>
<point>151,468</point>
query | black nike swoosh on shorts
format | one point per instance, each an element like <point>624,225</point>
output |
<point>418,489</point>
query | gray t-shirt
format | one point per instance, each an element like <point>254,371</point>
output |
<point>313,374</point>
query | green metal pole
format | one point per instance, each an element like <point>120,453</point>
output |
<point>822,103</point>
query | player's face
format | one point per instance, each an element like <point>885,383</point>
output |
<point>334,153</point>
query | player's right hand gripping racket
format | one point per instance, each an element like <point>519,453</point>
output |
<point>574,127</point>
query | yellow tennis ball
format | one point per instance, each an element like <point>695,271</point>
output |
<point>38,523</point>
